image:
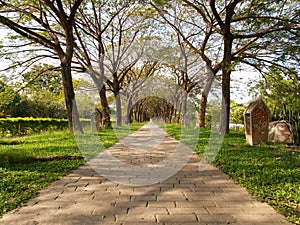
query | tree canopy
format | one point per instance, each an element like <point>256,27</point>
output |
<point>109,40</point>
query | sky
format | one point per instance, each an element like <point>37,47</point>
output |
<point>239,88</point>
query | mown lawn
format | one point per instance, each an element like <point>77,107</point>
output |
<point>270,172</point>
<point>30,163</point>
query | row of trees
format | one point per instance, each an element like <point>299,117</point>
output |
<point>118,43</point>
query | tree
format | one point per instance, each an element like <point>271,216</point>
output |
<point>242,31</point>
<point>39,96</point>
<point>153,107</point>
<point>8,104</point>
<point>113,27</point>
<point>48,24</point>
<point>42,77</point>
<point>42,90</point>
<point>137,76</point>
<point>237,113</point>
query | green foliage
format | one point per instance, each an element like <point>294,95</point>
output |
<point>41,95</point>
<point>237,113</point>
<point>25,126</point>
<point>271,173</point>
<point>8,100</point>
<point>43,78</point>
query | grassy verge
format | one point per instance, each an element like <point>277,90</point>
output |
<point>30,163</point>
<point>270,172</point>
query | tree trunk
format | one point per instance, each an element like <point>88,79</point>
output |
<point>184,108</point>
<point>203,100</point>
<point>128,118</point>
<point>72,111</point>
<point>226,72</point>
<point>202,111</point>
<point>118,108</point>
<point>66,69</point>
<point>179,108</point>
<point>105,108</point>
<point>174,113</point>
<point>224,126</point>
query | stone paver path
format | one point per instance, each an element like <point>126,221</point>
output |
<point>189,197</point>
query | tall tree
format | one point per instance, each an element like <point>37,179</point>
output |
<point>244,30</point>
<point>199,37</point>
<point>112,29</point>
<point>49,24</point>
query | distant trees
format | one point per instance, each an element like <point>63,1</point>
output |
<point>38,94</point>
<point>237,113</point>
<point>229,33</point>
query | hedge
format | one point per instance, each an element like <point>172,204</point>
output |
<point>25,126</point>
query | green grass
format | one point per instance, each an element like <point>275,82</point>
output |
<point>30,163</point>
<point>270,172</point>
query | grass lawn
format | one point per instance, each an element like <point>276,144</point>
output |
<point>30,163</point>
<point>270,172</point>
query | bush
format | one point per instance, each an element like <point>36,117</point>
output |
<point>25,126</point>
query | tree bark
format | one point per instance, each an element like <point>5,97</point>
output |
<point>118,109</point>
<point>202,111</point>
<point>66,68</point>
<point>106,123</point>
<point>224,126</point>
<point>226,72</point>
<point>203,101</point>
<point>184,108</point>
<point>72,111</point>
<point>128,118</point>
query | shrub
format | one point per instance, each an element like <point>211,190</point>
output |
<point>25,126</point>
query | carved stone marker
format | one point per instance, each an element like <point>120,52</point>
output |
<point>96,120</point>
<point>280,132</point>
<point>256,120</point>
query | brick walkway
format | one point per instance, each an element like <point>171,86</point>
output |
<point>189,197</point>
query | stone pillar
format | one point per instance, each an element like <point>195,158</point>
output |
<point>256,120</point>
<point>96,120</point>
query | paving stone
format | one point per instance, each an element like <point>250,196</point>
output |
<point>183,218</point>
<point>217,219</point>
<point>131,204</point>
<point>161,204</point>
<point>143,198</point>
<point>203,197</point>
<point>260,219</point>
<point>190,196</point>
<point>144,217</point>
<point>217,210</point>
<point>199,193</point>
<point>154,211</point>
<point>178,197</point>
<point>198,211</point>
<point>194,204</point>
